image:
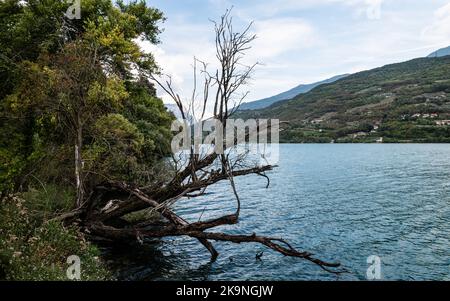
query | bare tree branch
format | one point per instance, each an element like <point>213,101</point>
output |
<point>195,172</point>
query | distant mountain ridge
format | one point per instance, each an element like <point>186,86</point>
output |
<point>300,89</point>
<point>402,102</point>
<point>440,53</point>
<point>305,88</point>
<point>173,108</point>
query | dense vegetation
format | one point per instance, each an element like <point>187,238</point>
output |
<point>403,102</point>
<point>71,86</point>
<point>34,247</point>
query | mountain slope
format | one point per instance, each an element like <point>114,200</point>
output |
<point>440,53</point>
<point>266,102</point>
<point>403,102</point>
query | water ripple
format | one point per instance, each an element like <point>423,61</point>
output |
<point>342,202</point>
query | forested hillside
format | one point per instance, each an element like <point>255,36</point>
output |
<point>405,102</point>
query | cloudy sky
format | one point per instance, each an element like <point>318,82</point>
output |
<point>303,41</point>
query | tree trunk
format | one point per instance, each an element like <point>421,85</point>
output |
<point>79,162</point>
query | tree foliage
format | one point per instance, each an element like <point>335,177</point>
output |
<point>78,83</point>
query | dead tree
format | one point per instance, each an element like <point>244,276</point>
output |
<point>221,91</point>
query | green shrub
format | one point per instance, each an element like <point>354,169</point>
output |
<point>32,249</point>
<point>48,201</point>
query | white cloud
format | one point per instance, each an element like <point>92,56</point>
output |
<point>181,42</point>
<point>309,40</point>
<point>276,36</point>
<point>364,8</point>
<point>439,30</point>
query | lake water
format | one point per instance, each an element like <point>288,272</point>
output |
<point>342,202</point>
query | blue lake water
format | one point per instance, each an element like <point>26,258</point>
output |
<point>343,202</point>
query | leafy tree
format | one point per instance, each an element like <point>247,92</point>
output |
<point>74,89</point>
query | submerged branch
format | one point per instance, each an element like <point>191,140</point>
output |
<point>195,230</point>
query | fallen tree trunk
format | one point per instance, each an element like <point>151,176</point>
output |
<point>275,244</point>
<point>101,225</point>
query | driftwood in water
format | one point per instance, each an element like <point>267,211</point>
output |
<point>98,224</point>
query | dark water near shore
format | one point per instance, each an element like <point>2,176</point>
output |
<point>341,202</point>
